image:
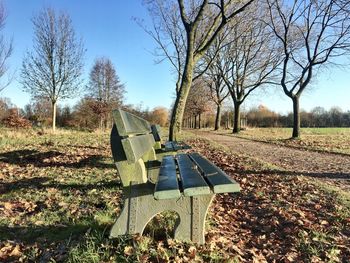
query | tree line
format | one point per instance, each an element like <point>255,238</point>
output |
<point>317,117</point>
<point>83,115</point>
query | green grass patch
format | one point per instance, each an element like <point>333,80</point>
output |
<point>334,140</point>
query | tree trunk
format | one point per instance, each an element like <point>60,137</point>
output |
<point>195,121</point>
<point>54,116</point>
<point>199,121</point>
<point>101,122</point>
<point>237,118</point>
<point>181,96</point>
<point>218,117</point>
<point>296,117</point>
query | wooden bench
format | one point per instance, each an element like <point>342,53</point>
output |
<point>169,146</point>
<point>183,183</point>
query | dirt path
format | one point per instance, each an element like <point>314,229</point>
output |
<point>333,168</point>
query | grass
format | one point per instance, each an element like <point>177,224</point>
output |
<point>54,188</point>
<point>60,196</point>
<point>335,140</point>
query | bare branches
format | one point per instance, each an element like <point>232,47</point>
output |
<point>251,57</point>
<point>104,84</point>
<point>5,50</point>
<point>202,21</point>
<point>313,33</point>
<point>54,67</point>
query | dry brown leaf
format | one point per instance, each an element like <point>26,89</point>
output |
<point>128,250</point>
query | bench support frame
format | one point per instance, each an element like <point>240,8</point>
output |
<point>140,207</point>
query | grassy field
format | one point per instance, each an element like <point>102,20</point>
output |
<point>59,196</point>
<point>321,139</point>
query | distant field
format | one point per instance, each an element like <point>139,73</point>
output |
<point>321,139</point>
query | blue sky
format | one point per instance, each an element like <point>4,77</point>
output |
<point>108,29</point>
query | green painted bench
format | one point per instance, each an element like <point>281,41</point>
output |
<point>169,146</point>
<point>184,183</point>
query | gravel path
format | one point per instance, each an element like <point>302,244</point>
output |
<point>333,168</point>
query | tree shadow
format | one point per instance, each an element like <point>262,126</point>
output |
<point>47,182</point>
<point>30,234</point>
<point>84,146</point>
<point>326,175</point>
<point>52,159</point>
<point>52,241</point>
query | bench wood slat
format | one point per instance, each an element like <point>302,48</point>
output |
<point>168,146</point>
<point>218,180</point>
<point>167,186</point>
<point>156,132</point>
<point>129,124</point>
<point>135,147</point>
<point>176,146</point>
<point>192,182</point>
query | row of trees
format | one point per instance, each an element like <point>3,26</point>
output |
<point>81,116</point>
<point>198,115</point>
<point>261,116</point>
<point>248,44</point>
<point>317,117</point>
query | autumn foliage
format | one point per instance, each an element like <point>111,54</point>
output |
<point>14,120</point>
<point>159,115</point>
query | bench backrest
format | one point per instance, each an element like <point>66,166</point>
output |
<point>156,131</point>
<point>132,145</point>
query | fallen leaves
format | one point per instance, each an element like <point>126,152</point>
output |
<point>54,192</point>
<point>9,250</point>
<point>17,207</point>
<point>271,211</point>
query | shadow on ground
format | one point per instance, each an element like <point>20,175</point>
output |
<point>52,158</point>
<point>47,182</point>
<point>326,175</point>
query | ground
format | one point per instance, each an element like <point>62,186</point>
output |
<point>60,195</point>
<point>327,166</point>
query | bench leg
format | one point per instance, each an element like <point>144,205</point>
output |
<point>121,225</point>
<point>191,226</point>
<point>139,210</point>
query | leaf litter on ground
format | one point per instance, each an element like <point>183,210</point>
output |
<point>60,199</point>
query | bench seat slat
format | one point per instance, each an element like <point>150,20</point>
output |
<point>167,186</point>
<point>135,147</point>
<point>192,182</point>
<point>168,146</point>
<point>176,146</point>
<point>218,180</point>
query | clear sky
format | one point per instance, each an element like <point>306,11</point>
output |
<point>108,29</point>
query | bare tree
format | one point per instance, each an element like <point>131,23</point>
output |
<point>311,33</point>
<point>214,80</point>
<point>198,102</point>
<point>105,89</point>
<point>54,67</point>
<point>5,49</point>
<point>201,21</point>
<point>39,111</point>
<point>169,35</point>
<point>250,58</point>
